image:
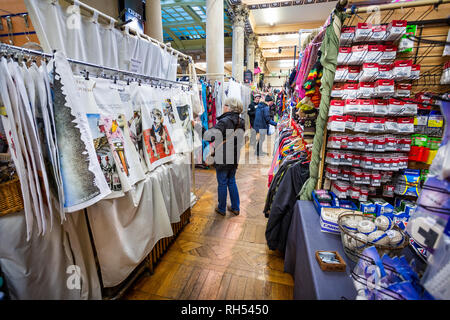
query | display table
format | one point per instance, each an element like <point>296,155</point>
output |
<point>304,239</point>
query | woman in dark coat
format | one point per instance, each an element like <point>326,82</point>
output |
<point>228,135</point>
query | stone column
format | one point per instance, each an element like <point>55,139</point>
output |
<point>240,17</point>
<point>184,64</point>
<point>251,45</point>
<point>214,39</point>
<point>153,20</point>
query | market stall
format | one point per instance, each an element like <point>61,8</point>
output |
<point>96,157</point>
<point>377,176</point>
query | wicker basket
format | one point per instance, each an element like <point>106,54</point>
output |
<point>5,157</point>
<point>355,253</point>
<point>10,197</point>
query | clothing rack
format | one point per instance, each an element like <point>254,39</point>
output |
<point>162,245</point>
<point>152,80</point>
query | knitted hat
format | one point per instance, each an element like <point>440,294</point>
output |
<point>268,98</point>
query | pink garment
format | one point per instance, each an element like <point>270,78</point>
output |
<point>309,59</point>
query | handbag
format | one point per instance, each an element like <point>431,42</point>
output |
<point>210,158</point>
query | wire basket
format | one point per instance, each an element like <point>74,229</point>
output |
<point>354,246</point>
<point>10,197</point>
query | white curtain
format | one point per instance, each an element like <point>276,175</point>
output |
<point>36,269</point>
<point>88,40</point>
<point>125,230</point>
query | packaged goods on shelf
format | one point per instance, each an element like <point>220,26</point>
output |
<point>337,91</point>
<point>395,30</point>
<point>375,52</point>
<point>405,44</point>
<point>344,55</point>
<point>366,90</point>
<point>353,73</point>
<point>378,32</point>
<point>384,88</point>
<point>389,53</point>
<point>363,31</point>
<point>385,71</point>
<point>402,69</point>
<point>415,72</point>
<point>347,35</point>
<point>341,73</point>
<point>350,91</point>
<point>369,72</point>
<point>403,89</point>
<point>336,108</point>
<point>380,107</point>
<point>359,52</point>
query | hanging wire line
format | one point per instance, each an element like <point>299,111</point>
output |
<point>92,65</point>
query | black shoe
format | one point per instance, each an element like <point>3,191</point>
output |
<point>235,212</point>
<point>220,212</point>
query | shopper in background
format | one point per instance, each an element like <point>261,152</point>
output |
<point>231,126</point>
<point>251,114</point>
<point>262,122</point>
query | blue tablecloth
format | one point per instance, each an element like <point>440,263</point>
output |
<point>304,239</point>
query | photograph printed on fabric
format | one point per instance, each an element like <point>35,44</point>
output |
<point>115,108</point>
<point>156,138</point>
<point>184,117</point>
<point>133,127</point>
<point>102,148</point>
<point>104,154</point>
<point>83,180</point>
<point>173,123</point>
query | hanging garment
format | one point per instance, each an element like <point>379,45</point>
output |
<point>102,147</point>
<point>184,117</point>
<point>13,130</point>
<point>83,180</point>
<point>115,109</point>
<point>158,144</point>
<point>174,125</point>
<point>283,205</point>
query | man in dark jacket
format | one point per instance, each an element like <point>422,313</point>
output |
<point>251,115</point>
<point>262,122</point>
<point>252,108</point>
<point>228,135</point>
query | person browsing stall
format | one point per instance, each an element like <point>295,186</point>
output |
<point>230,130</point>
<point>262,122</point>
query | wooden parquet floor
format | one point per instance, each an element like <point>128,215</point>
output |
<point>224,258</point>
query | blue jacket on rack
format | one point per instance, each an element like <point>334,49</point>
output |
<point>262,117</point>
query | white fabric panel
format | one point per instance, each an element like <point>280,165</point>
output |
<point>36,269</point>
<point>130,232</point>
<point>88,40</point>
